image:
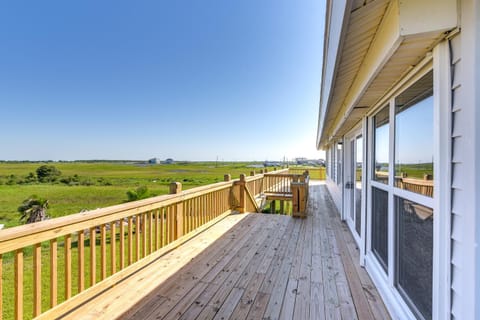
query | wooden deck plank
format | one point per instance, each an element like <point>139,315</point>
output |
<point>229,276</point>
<point>246,302</point>
<point>278,280</point>
<point>251,266</point>
<point>125,295</point>
<point>302,301</point>
<point>375,301</point>
<point>188,279</point>
<point>230,304</point>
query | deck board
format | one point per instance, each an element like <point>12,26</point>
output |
<point>252,266</point>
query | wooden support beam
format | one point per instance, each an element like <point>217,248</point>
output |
<point>242,194</point>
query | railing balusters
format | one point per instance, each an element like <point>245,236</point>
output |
<point>68,266</point>
<point>171,224</point>
<point>144,235</point>
<point>93,256</point>
<point>53,273</point>
<point>103,251</point>
<point>155,224</point>
<point>37,279</point>
<point>150,232</point>
<point>122,243</point>
<point>162,227</point>
<point>81,260</point>
<point>19,284</point>
<point>137,237</point>
<point>130,240</point>
<point>113,249</point>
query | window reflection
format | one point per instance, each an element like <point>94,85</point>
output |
<point>414,138</point>
<point>381,127</point>
<point>339,163</point>
<point>358,182</point>
<point>415,254</point>
<point>380,226</point>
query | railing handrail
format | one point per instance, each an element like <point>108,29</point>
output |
<point>79,221</point>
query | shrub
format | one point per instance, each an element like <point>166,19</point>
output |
<point>47,173</point>
<point>140,193</point>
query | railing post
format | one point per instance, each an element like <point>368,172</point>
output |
<point>242,196</point>
<point>227,177</point>
<point>176,188</point>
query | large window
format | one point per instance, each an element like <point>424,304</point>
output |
<point>401,208</point>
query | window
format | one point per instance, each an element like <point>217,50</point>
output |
<point>380,226</point>
<point>358,182</point>
<point>415,253</point>
<point>401,208</point>
<point>381,142</point>
<point>339,163</point>
<point>414,138</point>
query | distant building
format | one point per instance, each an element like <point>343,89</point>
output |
<point>301,160</point>
<point>169,161</point>
<point>154,161</point>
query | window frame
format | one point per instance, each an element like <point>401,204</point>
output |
<point>386,282</point>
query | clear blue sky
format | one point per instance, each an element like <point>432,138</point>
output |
<point>190,80</point>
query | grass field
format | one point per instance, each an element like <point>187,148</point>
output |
<point>102,183</point>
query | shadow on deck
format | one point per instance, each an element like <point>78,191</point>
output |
<point>255,266</point>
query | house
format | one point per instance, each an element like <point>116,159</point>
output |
<point>399,121</point>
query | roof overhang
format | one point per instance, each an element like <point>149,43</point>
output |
<point>368,46</point>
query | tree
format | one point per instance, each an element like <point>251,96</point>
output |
<point>33,209</point>
<point>47,173</point>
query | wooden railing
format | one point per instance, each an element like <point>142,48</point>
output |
<point>60,263</point>
<point>315,173</point>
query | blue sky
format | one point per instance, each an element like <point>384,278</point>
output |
<point>191,80</point>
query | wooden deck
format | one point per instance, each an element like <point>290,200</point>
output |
<point>252,266</point>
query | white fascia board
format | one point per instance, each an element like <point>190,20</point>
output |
<point>337,14</point>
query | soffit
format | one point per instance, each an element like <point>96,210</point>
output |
<point>364,21</point>
<point>375,55</point>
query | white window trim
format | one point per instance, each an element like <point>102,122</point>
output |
<point>442,184</point>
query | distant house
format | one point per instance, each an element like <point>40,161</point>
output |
<point>399,119</point>
<point>169,161</point>
<point>301,160</point>
<point>154,161</point>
